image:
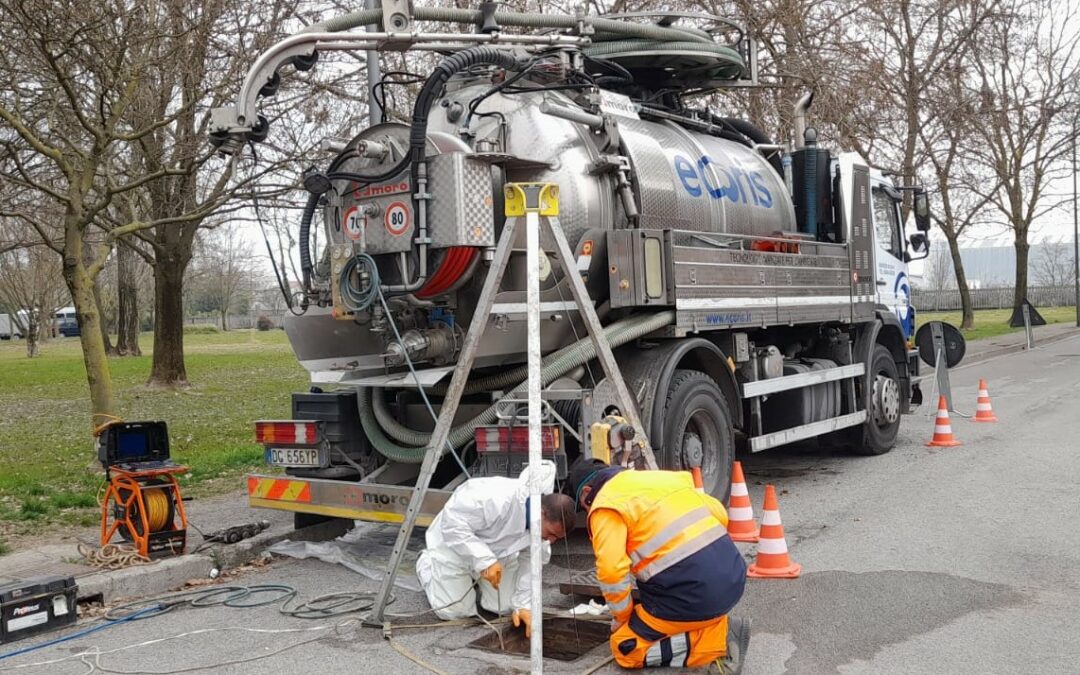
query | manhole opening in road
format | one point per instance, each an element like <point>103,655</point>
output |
<point>564,639</point>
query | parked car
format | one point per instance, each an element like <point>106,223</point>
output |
<point>8,328</point>
<point>66,322</point>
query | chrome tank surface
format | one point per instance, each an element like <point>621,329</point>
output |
<point>681,179</point>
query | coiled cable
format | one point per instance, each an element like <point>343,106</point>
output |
<point>357,297</point>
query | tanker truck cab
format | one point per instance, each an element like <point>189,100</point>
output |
<point>751,295</point>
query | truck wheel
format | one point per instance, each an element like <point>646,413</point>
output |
<point>697,429</point>
<point>882,391</point>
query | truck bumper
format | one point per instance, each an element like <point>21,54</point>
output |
<point>341,499</point>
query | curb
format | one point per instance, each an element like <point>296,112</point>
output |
<point>170,573</point>
<point>1010,349</point>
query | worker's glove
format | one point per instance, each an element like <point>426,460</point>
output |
<point>523,616</point>
<point>493,574</point>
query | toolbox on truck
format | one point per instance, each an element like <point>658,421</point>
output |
<point>36,605</point>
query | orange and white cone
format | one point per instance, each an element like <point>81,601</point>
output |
<point>943,436</point>
<point>695,472</point>
<point>984,412</point>
<point>772,555</point>
<point>741,525</point>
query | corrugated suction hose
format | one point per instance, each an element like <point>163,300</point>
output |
<point>378,422</point>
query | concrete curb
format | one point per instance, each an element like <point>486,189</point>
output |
<point>171,573</point>
<point>1020,347</point>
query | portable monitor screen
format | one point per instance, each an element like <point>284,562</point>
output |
<point>134,442</point>
<point>133,445</point>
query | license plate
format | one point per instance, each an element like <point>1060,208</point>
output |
<point>293,457</point>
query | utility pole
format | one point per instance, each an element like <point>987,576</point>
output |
<point>1076,234</point>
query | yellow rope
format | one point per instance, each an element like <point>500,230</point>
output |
<point>110,420</point>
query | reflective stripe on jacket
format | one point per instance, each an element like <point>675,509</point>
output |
<point>655,527</point>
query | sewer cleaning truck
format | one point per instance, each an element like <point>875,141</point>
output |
<point>753,291</point>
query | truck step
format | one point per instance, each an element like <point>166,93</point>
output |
<point>785,436</point>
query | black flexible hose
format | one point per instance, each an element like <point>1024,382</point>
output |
<point>306,265</point>
<point>449,66</point>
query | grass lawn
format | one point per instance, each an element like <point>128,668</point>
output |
<point>993,322</point>
<point>46,449</point>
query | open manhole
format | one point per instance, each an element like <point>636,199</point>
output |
<point>564,639</point>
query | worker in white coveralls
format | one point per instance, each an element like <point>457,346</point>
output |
<point>476,539</point>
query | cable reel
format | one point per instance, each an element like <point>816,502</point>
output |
<point>142,502</point>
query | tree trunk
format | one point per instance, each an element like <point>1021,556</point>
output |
<point>96,290</point>
<point>33,333</point>
<point>127,318</point>
<point>968,320</point>
<point>224,319</point>
<point>168,364</point>
<point>91,335</point>
<point>1020,292</point>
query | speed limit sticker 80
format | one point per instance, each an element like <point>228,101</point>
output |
<point>398,218</point>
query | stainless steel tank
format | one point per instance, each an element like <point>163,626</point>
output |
<point>681,179</point>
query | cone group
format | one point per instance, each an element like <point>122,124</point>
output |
<point>741,525</point>
<point>943,435</point>
<point>984,412</point>
<point>772,554</point>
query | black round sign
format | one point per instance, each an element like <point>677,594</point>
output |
<point>955,345</point>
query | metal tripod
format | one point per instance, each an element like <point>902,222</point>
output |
<point>538,205</point>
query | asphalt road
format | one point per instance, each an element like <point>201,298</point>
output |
<point>924,560</point>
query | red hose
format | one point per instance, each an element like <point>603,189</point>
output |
<point>454,264</point>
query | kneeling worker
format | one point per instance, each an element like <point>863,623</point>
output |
<point>477,537</point>
<point>653,526</point>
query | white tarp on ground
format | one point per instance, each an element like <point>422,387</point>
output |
<point>365,549</point>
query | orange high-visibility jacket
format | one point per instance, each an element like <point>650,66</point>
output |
<point>673,539</point>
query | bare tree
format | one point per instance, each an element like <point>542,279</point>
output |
<point>1026,67</point>
<point>225,270</point>
<point>955,180</point>
<point>30,286</point>
<point>1054,265</point>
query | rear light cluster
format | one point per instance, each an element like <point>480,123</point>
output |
<point>516,439</point>
<point>287,432</point>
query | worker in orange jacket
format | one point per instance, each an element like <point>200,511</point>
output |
<point>654,528</point>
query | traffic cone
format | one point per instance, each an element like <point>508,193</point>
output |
<point>943,437</point>
<point>695,472</point>
<point>772,554</point>
<point>984,412</point>
<point>741,525</point>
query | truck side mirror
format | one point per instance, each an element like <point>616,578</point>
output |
<point>920,244</point>
<point>922,210</point>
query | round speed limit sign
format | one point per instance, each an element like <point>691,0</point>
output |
<point>353,223</point>
<point>398,218</point>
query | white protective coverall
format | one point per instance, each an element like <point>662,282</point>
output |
<point>484,521</point>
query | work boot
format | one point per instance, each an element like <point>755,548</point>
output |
<point>738,641</point>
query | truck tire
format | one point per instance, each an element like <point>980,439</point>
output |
<point>882,394</point>
<point>697,421</point>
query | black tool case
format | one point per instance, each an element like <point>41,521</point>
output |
<point>35,606</point>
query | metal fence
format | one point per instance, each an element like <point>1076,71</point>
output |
<point>236,321</point>
<point>992,298</point>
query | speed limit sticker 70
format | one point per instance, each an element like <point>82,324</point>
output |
<point>398,218</point>
<point>354,222</point>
